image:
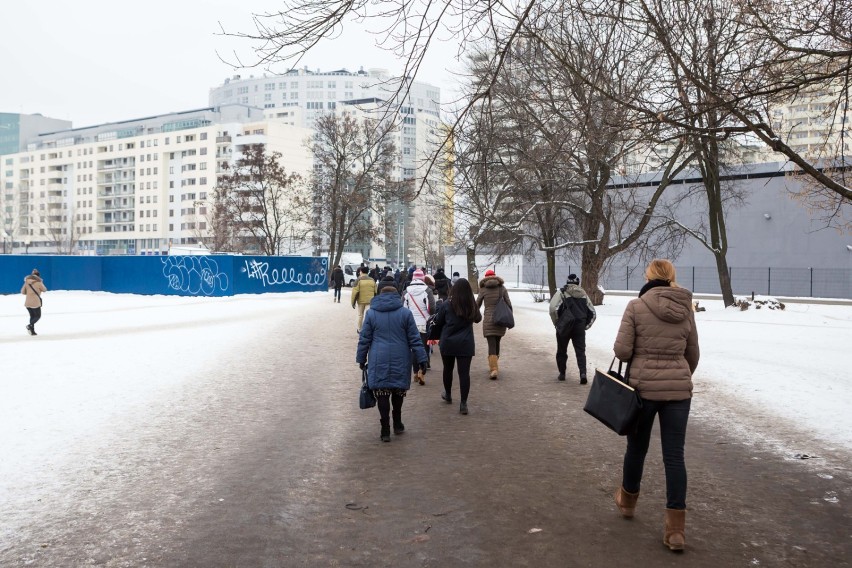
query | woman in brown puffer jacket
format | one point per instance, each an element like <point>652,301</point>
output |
<point>659,338</point>
<point>33,289</point>
<point>491,289</point>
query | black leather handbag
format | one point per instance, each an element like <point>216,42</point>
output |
<point>613,401</point>
<point>366,399</point>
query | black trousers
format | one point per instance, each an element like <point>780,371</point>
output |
<point>577,335</point>
<point>674,415</point>
<point>337,293</point>
<point>35,315</point>
<point>415,365</point>
<point>384,401</point>
<point>464,374</point>
<point>494,344</point>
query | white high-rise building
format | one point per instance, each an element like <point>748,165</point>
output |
<point>300,96</point>
<point>136,186</point>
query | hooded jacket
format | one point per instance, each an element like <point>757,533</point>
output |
<point>363,290</point>
<point>442,284</point>
<point>491,289</point>
<point>659,337</point>
<point>388,336</point>
<point>32,300</point>
<point>420,300</point>
<point>337,277</point>
<point>572,293</point>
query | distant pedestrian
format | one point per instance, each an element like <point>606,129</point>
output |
<point>455,319</point>
<point>442,284</point>
<point>363,291</point>
<point>491,289</point>
<point>455,277</point>
<point>388,337</point>
<point>659,338</point>
<point>33,288</point>
<point>420,300</point>
<point>582,313</point>
<point>337,282</point>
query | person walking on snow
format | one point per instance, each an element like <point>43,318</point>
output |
<point>455,319</point>
<point>362,294</point>
<point>388,337</point>
<point>420,300</point>
<point>442,284</point>
<point>33,289</point>
<point>491,289</point>
<point>337,282</point>
<point>658,337</point>
<point>571,325</point>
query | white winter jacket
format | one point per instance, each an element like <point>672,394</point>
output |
<point>418,298</point>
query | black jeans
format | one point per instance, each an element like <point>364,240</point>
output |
<point>464,374</point>
<point>673,418</point>
<point>577,335</point>
<point>383,401</point>
<point>337,293</point>
<point>35,315</point>
<point>494,344</point>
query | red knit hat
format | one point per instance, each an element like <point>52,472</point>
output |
<point>490,272</point>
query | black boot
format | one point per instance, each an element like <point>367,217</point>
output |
<point>398,426</point>
<point>385,434</point>
<point>583,380</point>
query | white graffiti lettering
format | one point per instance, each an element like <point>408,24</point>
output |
<point>257,270</point>
<point>196,275</point>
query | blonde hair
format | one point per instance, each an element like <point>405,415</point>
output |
<point>661,269</point>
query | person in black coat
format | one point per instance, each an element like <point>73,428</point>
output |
<point>455,319</point>
<point>337,282</point>
<point>442,284</point>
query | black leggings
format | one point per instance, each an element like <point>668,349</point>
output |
<point>384,401</point>
<point>464,374</point>
<point>35,315</point>
<point>493,344</point>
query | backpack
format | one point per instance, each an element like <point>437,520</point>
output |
<point>571,313</point>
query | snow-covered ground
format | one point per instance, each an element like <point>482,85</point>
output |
<point>99,356</point>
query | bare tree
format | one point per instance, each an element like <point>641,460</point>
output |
<point>260,202</point>
<point>788,45</point>
<point>354,179</point>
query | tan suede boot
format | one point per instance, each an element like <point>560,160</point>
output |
<point>626,502</point>
<point>675,526</point>
<point>492,364</point>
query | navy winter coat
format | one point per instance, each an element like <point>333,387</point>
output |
<point>456,333</point>
<point>388,336</point>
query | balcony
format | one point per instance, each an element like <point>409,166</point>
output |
<point>223,140</point>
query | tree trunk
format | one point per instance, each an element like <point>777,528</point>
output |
<point>724,279</point>
<point>591,265</point>
<point>550,255</point>
<point>472,272</point>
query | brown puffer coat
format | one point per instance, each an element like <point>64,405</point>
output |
<point>490,290</point>
<point>32,300</point>
<point>658,334</point>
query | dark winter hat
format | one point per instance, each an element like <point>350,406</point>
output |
<point>456,274</point>
<point>573,279</point>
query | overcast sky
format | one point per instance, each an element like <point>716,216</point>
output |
<point>97,61</point>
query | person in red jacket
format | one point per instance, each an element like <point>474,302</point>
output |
<point>658,337</point>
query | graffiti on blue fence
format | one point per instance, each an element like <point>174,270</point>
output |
<point>259,270</point>
<point>194,274</point>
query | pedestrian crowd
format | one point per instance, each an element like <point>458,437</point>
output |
<point>401,314</point>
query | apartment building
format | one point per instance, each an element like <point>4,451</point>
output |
<point>300,96</point>
<point>132,187</point>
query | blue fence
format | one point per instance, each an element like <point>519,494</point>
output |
<point>214,275</point>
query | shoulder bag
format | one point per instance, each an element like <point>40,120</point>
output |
<point>503,315</point>
<point>366,399</point>
<point>613,401</point>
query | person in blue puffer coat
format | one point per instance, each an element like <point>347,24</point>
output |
<point>388,337</point>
